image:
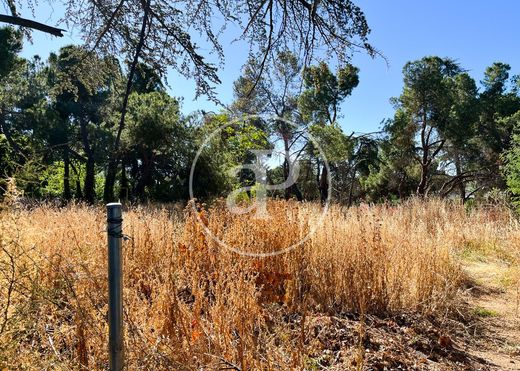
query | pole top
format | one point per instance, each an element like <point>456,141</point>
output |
<point>114,210</point>
<point>113,205</point>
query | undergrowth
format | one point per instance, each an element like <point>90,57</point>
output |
<point>190,303</point>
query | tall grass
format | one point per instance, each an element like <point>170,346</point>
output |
<point>190,303</point>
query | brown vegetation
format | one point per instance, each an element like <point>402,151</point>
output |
<point>190,303</point>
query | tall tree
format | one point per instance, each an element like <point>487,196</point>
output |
<point>461,151</point>
<point>161,34</point>
<point>320,104</point>
<point>275,98</point>
<point>10,73</point>
<point>150,141</point>
<point>19,93</point>
<point>395,175</point>
<point>498,101</point>
<point>83,82</point>
<point>425,103</point>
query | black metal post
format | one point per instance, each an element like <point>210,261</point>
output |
<point>115,288</point>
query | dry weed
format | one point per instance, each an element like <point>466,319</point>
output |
<point>190,304</point>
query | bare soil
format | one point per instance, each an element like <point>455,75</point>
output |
<point>482,334</point>
<point>497,337</point>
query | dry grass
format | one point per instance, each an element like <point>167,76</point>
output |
<point>190,304</point>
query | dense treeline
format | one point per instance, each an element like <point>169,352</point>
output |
<point>450,136</point>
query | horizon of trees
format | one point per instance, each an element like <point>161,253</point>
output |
<point>450,136</point>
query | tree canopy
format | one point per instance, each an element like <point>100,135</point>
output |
<point>98,121</point>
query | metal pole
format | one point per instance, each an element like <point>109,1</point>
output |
<point>115,290</point>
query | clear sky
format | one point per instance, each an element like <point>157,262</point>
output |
<point>476,33</point>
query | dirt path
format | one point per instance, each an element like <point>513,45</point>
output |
<point>495,302</point>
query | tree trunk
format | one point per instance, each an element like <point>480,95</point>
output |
<point>421,188</point>
<point>90,181</point>
<point>423,183</point>
<point>324,185</point>
<point>125,189</point>
<point>351,188</point>
<point>293,189</point>
<point>66,174</point>
<point>90,174</point>
<point>296,191</point>
<point>144,178</point>
<point>78,194</point>
<point>462,185</point>
<point>110,179</point>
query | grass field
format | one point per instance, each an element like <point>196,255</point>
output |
<point>191,304</point>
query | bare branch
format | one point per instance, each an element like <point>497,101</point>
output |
<point>18,21</point>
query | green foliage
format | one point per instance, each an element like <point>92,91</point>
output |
<point>80,73</point>
<point>495,78</point>
<point>434,126</point>
<point>155,145</point>
<point>319,105</point>
<point>146,80</point>
<point>10,46</point>
<point>59,120</point>
<point>484,312</point>
<point>153,121</point>
<point>512,162</point>
<point>335,145</point>
<point>52,180</point>
<point>447,138</point>
<point>324,91</point>
<point>81,87</point>
<point>230,145</point>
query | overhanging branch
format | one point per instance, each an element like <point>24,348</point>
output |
<point>17,21</point>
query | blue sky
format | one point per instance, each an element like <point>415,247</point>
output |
<point>475,33</point>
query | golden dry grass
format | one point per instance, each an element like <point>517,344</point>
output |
<point>191,304</point>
